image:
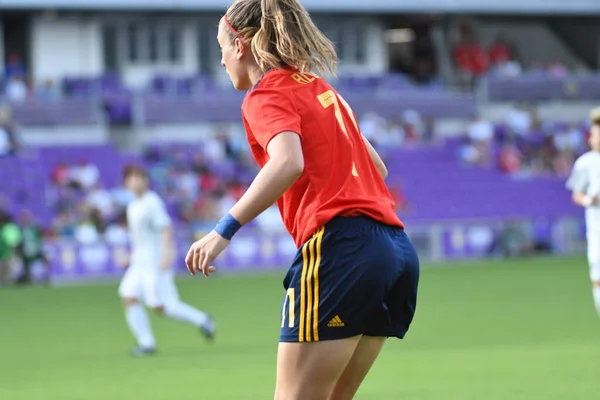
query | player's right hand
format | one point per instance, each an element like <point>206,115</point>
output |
<point>203,252</point>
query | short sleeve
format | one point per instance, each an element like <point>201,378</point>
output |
<point>160,216</point>
<point>579,179</point>
<point>270,112</point>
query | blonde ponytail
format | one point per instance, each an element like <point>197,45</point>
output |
<point>282,34</point>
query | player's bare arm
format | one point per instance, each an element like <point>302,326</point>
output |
<point>285,165</point>
<point>168,249</point>
<point>584,200</point>
<point>379,164</point>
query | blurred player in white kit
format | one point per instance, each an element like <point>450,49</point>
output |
<point>149,279</point>
<point>584,182</point>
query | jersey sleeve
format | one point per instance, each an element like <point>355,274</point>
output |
<point>579,179</point>
<point>270,112</point>
<point>160,216</point>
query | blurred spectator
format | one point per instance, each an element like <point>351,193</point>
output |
<point>481,131</point>
<point>48,91</point>
<point>31,248</point>
<point>14,66</point>
<point>64,225</point>
<point>10,236</point>
<point>16,89</point>
<point>85,175</point>
<point>121,197</point>
<point>513,242</point>
<point>101,199</point>
<point>371,125</point>
<point>469,153</point>
<point>86,231</point>
<point>391,137</point>
<point>188,184</point>
<point>510,159</point>
<point>397,192</point>
<point>519,120</point>
<point>270,221</point>
<point>5,145</point>
<point>425,72</point>
<point>116,233</point>
<point>557,70</point>
<point>500,51</point>
<point>470,58</point>
<point>214,148</point>
<point>508,69</point>
<point>412,126</point>
<point>8,137</point>
<point>60,174</point>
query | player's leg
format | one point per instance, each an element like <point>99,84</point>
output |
<point>136,316</point>
<point>176,309</point>
<point>311,370</point>
<point>358,367</point>
<point>400,302</point>
<point>5,272</point>
<point>594,263</point>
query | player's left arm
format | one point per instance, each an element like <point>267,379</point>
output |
<point>578,183</point>
<point>162,222</point>
<point>168,248</point>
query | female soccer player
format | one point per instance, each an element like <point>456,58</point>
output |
<point>353,282</point>
<point>584,182</point>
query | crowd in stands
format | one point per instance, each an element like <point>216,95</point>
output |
<point>8,137</point>
<point>409,129</point>
<point>199,183</point>
<point>21,240</point>
<point>501,58</point>
<point>523,145</point>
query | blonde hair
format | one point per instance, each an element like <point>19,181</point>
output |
<point>281,34</point>
<point>595,116</point>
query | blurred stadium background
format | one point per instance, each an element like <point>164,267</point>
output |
<point>479,109</point>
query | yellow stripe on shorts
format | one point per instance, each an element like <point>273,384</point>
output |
<point>309,288</point>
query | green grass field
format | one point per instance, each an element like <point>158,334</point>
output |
<point>523,329</point>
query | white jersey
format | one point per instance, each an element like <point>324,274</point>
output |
<point>147,217</point>
<point>585,178</point>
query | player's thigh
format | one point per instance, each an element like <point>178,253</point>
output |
<point>358,367</point>
<point>311,370</point>
<point>593,253</point>
<point>131,284</point>
<point>167,290</point>
<point>150,283</point>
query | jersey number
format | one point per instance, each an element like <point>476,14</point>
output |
<point>291,308</point>
<point>329,99</point>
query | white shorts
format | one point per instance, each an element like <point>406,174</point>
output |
<point>593,239</point>
<point>154,288</point>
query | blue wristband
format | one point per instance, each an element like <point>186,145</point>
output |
<point>227,227</point>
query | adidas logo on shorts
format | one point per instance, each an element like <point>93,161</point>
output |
<point>335,322</point>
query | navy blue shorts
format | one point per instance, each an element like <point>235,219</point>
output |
<point>354,276</point>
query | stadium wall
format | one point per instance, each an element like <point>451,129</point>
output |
<point>65,47</point>
<point>77,45</point>
<point>535,39</point>
<point>380,6</point>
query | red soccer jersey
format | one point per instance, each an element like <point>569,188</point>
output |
<point>339,176</point>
